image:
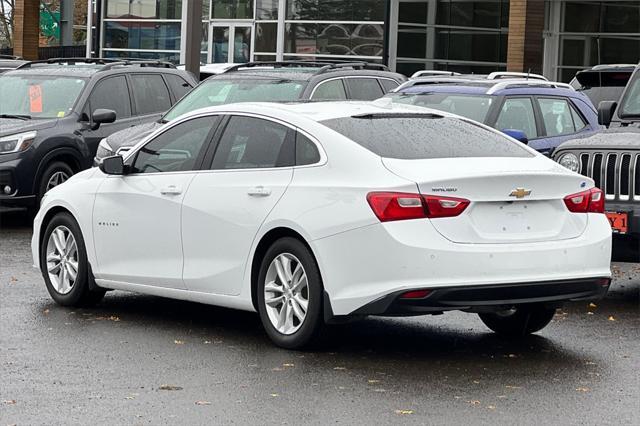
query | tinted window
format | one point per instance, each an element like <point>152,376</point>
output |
<point>415,136</point>
<point>178,85</point>
<point>556,115</point>
<point>517,114</point>
<point>306,151</point>
<point>330,90</point>
<point>366,89</point>
<point>388,85</point>
<point>249,143</point>
<point>177,149</point>
<point>151,94</point>
<point>112,93</point>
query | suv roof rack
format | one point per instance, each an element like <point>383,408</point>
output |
<point>511,84</point>
<point>508,74</point>
<point>11,57</point>
<point>107,63</point>
<point>433,73</point>
<point>325,66</point>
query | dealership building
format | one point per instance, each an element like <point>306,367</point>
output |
<point>554,37</point>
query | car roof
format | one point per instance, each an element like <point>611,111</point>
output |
<point>321,111</point>
<point>491,87</point>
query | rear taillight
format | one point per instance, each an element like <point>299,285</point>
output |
<point>589,201</point>
<point>390,206</point>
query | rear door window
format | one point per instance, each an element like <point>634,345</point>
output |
<point>365,89</point>
<point>178,85</point>
<point>112,93</point>
<point>150,93</point>
<point>250,143</point>
<point>332,90</point>
<point>422,136</point>
<point>556,115</point>
<point>517,114</point>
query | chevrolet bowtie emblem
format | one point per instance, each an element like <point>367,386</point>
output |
<point>520,193</point>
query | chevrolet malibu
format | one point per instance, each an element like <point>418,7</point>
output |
<point>317,213</point>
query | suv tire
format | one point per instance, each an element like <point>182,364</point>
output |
<point>55,174</point>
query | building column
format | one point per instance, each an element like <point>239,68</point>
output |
<point>526,26</point>
<point>26,29</point>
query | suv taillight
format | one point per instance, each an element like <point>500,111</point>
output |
<point>390,206</point>
<point>589,201</point>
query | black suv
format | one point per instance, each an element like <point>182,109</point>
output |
<point>54,113</point>
<point>270,82</point>
<point>612,158</point>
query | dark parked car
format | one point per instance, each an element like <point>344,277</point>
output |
<point>612,159</point>
<point>8,63</point>
<point>270,82</point>
<point>54,113</point>
<point>603,82</point>
<point>540,112</point>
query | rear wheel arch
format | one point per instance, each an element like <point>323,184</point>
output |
<point>261,249</point>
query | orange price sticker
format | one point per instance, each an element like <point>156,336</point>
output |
<point>35,98</point>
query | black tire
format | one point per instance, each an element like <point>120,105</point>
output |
<point>49,172</point>
<point>81,294</point>
<point>310,329</point>
<point>523,321</point>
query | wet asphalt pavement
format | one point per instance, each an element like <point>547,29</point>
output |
<point>137,359</point>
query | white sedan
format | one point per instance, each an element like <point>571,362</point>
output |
<point>316,213</point>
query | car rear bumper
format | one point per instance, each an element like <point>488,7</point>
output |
<point>486,296</point>
<point>367,264</point>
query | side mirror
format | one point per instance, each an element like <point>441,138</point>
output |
<point>113,165</point>
<point>101,116</point>
<point>605,112</point>
<point>517,134</point>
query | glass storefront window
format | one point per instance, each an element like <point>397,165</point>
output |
<point>163,56</point>
<point>142,35</point>
<point>143,9</point>
<point>267,10</point>
<point>334,39</point>
<point>336,10</point>
<point>480,14</point>
<point>232,9</point>
<point>266,37</point>
<point>605,17</point>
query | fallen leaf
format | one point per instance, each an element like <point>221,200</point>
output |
<point>477,382</point>
<point>611,318</point>
<point>339,368</point>
<point>46,311</point>
<point>9,401</point>
<point>277,369</point>
<point>589,363</point>
<point>513,356</point>
<point>275,395</point>
<point>178,342</point>
<point>203,403</point>
<point>13,279</point>
<point>379,390</point>
<point>512,387</point>
<point>583,389</point>
<point>593,305</point>
<point>373,381</point>
<point>491,407</point>
<point>207,342</point>
<point>404,412</point>
<point>287,365</point>
<point>501,396</point>
<point>474,402</point>
<point>170,387</point>
<point>589,313</point>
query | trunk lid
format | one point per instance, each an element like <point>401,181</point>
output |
<point>494,215</point>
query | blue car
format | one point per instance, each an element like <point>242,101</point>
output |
<point>538,112</point>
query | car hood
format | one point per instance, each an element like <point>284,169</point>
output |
<point>11,126</point>
<point>128,137</point>
<point>612,138</point>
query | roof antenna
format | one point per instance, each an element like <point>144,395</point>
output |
<point>528,72</point>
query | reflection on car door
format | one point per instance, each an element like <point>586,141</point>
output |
<point>137,216</point>
<point>225,206</point>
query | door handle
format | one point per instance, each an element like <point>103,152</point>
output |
<point>259,191</point>
<point>171,190</point>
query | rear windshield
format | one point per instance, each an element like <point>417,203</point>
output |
<point>412,137</point>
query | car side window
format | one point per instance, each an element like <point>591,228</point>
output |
<point>517,114</point>
<point>249,143</point>
<point>330,90</point>
<point>364,89</point>
<point>556,115</point>
<point>178,85</point>
<point>306,151</point>
<point>388,84</point>
<point>150,93</point>
<point>578,121</point>
<point>112,93</point>
<point>177,149</point>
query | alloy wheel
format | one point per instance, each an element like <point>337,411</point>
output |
<point>56,179</point>
<point>286,293</point>
<point>62,259</point>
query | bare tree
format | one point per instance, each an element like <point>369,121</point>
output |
<point>6,22</point>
